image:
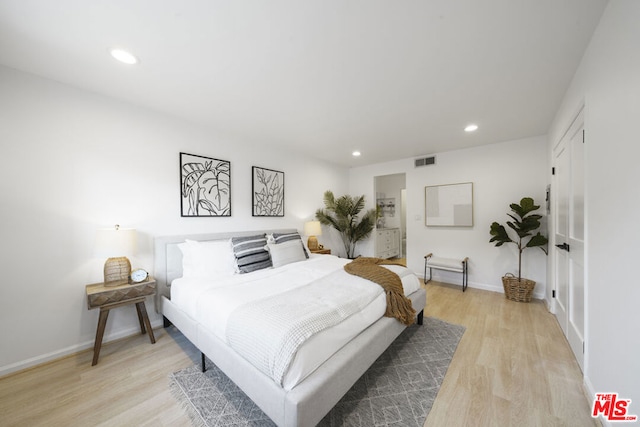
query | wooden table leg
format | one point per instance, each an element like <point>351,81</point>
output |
<point>102,322</point>
<point>141,318</point>
<point>142,313</point>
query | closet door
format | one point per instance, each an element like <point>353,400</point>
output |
<point>569,237</point>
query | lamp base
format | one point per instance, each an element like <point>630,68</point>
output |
<point>312,243</point>
<point>117,271</point>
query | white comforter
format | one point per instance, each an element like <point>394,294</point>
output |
<point>211,303</point>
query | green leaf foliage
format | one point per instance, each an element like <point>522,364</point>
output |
<point>524,224</point>
<point>538,241</point>
<point>342,214</point>
<point>499,234</point>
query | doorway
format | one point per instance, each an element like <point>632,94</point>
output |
<point>392,224</point>
<point>569,237</point>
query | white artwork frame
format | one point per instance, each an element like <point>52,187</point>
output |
<point>449,205</point>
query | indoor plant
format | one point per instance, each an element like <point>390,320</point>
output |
<point>524,223</point>
<point>342,214</point>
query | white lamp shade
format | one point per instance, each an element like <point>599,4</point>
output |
<point>116,242</point>
<point>312,228</point>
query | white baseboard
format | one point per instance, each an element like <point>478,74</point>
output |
<point>492,288</point>
<point>589,393</point>
<point>58,354</point>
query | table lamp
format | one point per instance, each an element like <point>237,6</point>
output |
<point>116,243</point>
<point>312,229</point>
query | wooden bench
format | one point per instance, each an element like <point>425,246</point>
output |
<point>448,264</point>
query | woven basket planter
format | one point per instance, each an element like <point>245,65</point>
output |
<point>517,290</point>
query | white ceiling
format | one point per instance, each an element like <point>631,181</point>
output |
<point>393,79</point>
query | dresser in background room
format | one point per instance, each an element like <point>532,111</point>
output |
<point>387,242</point>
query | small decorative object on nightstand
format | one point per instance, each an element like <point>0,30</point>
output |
<point>139,275</point>
<point>99,295</point>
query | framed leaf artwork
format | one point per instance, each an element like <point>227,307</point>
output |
<point>205,186</point>
<point>268,192</point>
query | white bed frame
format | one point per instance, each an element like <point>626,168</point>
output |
<point>308,402</point>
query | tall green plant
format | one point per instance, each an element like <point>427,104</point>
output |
<point>524,224</point>
<point>342,214</point>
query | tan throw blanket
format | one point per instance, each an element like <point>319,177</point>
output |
<point>398,305</point>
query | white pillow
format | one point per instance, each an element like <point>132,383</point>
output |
<point>207,259</point>
<point>286,252</point>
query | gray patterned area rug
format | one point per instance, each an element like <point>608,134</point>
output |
<point>397,390</point>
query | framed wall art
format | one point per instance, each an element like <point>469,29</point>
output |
<point>268,192</point>
<point>449,205</point>
<point>205,186</point>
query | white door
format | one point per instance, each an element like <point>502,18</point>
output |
<point>569,236</point>
<point>561,173</point>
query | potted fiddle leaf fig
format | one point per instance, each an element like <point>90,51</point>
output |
<point>342,214</point>
<point>525,223</point>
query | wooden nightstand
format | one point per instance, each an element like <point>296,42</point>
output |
<point>106,298</point>
<point>321,251</point>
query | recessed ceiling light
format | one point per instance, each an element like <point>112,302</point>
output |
<point>123,56</point>
<point>471,128</point>
<point>355,154</point>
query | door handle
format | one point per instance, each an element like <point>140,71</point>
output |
<point>563,246</point>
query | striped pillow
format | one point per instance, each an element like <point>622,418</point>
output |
<point>286,237</point>
<point>250,253</point>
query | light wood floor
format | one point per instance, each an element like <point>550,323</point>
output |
<point>512,367</point>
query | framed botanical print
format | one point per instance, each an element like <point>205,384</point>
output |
<point>205,186</point>
<point>268,192</point>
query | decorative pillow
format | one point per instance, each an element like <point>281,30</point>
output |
<point>287,237</point>
<point>207,259</point>
<point>250,253</point>
<point>287,252</point>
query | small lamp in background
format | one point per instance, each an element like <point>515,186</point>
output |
<point>312,229</point>
<point>116,243</point>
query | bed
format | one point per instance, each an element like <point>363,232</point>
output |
<point>304,397</point>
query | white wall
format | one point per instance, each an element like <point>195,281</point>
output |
<point>73,162</point>
<point>501,173</point>
<point>608,83</point>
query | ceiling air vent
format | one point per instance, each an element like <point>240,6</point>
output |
<point>425,161</point>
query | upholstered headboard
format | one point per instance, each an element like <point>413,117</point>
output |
<point>168,257</point>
